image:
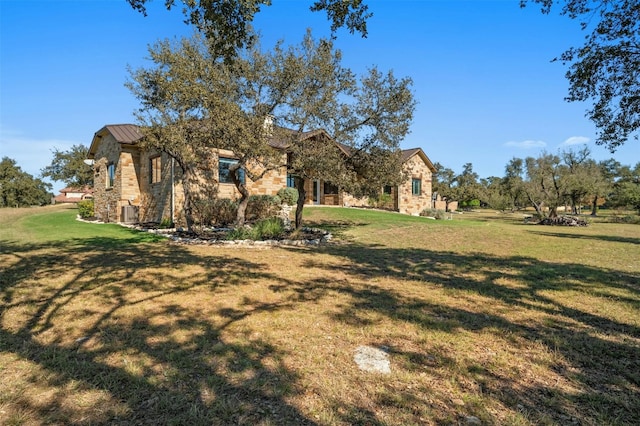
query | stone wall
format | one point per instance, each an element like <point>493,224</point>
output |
<point>106,198</point>
<point>409,203</point>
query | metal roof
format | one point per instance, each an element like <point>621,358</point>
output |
<point>124,133</point>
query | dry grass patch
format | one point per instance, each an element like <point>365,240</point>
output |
<point>477,320</point>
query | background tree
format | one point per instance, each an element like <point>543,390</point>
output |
<point>444,183</point>
<point>626,192</point>
<point>227,23</point>
<point>513,182</point>
<point>69,167</point>
<point>580,177</point>
<point>608,172</point>
<point>545,185</point>
<point>19,188</point>
<point>468,188</point>
<point>605,69</point>
<point>494,193</point>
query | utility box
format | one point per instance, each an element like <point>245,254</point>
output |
<point>129,214</point>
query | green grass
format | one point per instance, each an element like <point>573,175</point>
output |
<point>482,316</point>
<point>58,223</point>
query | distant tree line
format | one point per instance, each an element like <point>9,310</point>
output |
<point>19,188</point>
<point>548,182</point>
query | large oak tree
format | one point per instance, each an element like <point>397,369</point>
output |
<point>606,69</point>
<point>193,101</point>
<point>227,23</point>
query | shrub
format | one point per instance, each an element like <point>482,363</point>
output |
<point>242,233</point>
<point>85,209</point>
<point>381,201</point>
<point>262,206</point>
<point>630,219</point>
<point>216,211</point>
<point>165,223</point>
<point>268,229</point>
<point>288,196</point>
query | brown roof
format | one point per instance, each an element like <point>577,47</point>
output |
<point>128,134</point>
<point>124,133</point>
<point>408,153</point>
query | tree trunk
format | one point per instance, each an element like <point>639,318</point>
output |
<point>302,194</point>
<point>244,195</point>
<point>594,206</point>
<point>187,176</point>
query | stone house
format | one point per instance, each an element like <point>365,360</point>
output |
<point>73,195</point>
<point>132,184</point>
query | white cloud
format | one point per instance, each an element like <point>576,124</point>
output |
<point>529,144</point>
<point>576,140</point>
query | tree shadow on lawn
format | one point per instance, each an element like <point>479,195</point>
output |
<point>142,358</point>
<point>610,238</point>
<point>602,354</point>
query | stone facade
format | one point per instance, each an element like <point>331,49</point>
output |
<point>112,193</point>
<point>149,183</point>
<point>411,201</point>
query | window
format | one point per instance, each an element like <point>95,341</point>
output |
<point>291,181</point>
<point>330,188</point>
<point>224,174</point>
<point>386,189</point>
<point>416,186</point>
<point>111,175</point>
<point>155,169</point>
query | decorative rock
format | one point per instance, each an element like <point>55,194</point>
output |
<point>372,359</point>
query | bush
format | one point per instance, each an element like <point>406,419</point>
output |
<point>269,229</point>
<point>381,201</point>
<point>85,209</point>
<point>262,206</point>
<point>630,219</point>
<point>166,223</point>
<point>470,204</point>
<point>288,196</point>
<point>217,211</point>
<point>266,229</point>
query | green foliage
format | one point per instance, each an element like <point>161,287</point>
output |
<point>216,211</point>
<point>227,23</point>
<point>166,223</point>
<point>19,188</point>
<point>288,196</point>
<point>265,229</point>
<point>268,229</point>
<point>262,206</point>
<point>85,209</point>
<point>381,201</point>
<point>69,167</point>
<point>470,204</point>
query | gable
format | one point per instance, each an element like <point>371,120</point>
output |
<point>127,134</point>
<point>407,154</point>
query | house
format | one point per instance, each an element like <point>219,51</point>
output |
<point>133,184</point>
<point>73,195</point>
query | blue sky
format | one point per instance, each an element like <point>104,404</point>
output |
<point>486,88</point>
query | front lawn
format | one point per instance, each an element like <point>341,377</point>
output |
<point>484,319</point>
